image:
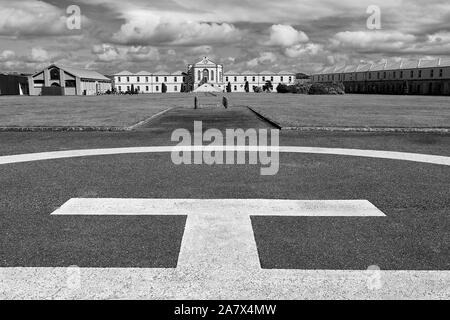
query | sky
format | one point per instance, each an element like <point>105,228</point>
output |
<point>244,35</point>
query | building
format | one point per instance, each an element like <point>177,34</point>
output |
<point>203,72</point>
<point>13,84</point>
<point>62,80</point>
<point>148,82</point>
<point>419,77</point>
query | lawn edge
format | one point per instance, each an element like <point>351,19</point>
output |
<point>265,118</point>
<point>440,130</point>
<point>148,120</point>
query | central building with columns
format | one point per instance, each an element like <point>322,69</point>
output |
<point>203,72</point>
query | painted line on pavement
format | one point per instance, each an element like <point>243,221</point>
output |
<point>218,236</point>
<point>213,207</point>
<point>391,155</point>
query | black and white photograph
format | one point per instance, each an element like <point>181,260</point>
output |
<point>229,159</point>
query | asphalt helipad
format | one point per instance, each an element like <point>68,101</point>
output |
<point>137,255</point>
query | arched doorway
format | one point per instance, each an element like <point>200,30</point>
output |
<point>205,75</point>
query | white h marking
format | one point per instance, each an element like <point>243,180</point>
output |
<point>218,233</point>
<point>218,259</point>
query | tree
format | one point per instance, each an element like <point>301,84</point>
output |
<point>282,88</point>
<point>229,87</point>
<point>247,87</point>
<point>132,89</point>
<point>163,88</point>
<point>268,86</point>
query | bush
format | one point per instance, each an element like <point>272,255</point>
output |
<point>282,88</point>
<point>327,88</point>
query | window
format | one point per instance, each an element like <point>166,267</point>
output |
<point>199,75</point>
<point>157,88</point>
<point>146,80</point>
<point>54,74</point>
<point>412,74</point>
<point>271,79</point>
<point>378,76</point>
<point>394,74</point>
<point>384,75</point>
<point>128,79</point>
<point>245,78</point>
<point>138,88</point>
<point>235,88</point>
<point>420,73</point>
<point>157,79</point>
<point>175,88</point>
<point>165,79</point>
<point>71,83</point>
<point>370,76</point>
<point>235,79</point>
<point>264,78</point>
<point>175,79</point>
<point>120,89</point>
<point>212,75</point>
<point>138,79</point>
<point>254,79</point>
<point>128,88</point>
<point>281,78</point>
<point>226,79</point>
<point>290,79</point>
<point>401,74</point>
<point>119,80</point>
<point>146,88</point>
<point>432,73</point>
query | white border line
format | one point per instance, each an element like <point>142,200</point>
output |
<point>391,155</point>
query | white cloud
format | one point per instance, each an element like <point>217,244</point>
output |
<point>7,55</point>
<point>299,50</point>
<point>39,55</point>
<point>368,41</point>
<point>286,36</point>
<point>110,53</point>
<point>32,18</point>
<point>264,58</point>
<point>150,28</point>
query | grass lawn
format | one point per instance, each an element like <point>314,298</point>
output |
<point>102,111</point>
<point>291,110</point>
<point>287,109</point>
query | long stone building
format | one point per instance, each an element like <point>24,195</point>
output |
<point>419,77</point>
<point>203,72</point>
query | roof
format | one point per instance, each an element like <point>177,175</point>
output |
<point>378,66</point>
<point>82,73</point>
<point>286,73</point>
<point>267,72</point>
<point>162,73</point>
<point>205,62</point>
<point>363,67</point>
<point>124,73</point>
<point>144,73</point>
<point>178,73</point>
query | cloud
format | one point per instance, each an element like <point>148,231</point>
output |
<point>6,55</point>
<point>286,36</point>
<point>301,50</point>
<point>111,53</point>
<point>32,18</point>
<point>264,58</point>
<point>373,41</point>
<point>149,28</point>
